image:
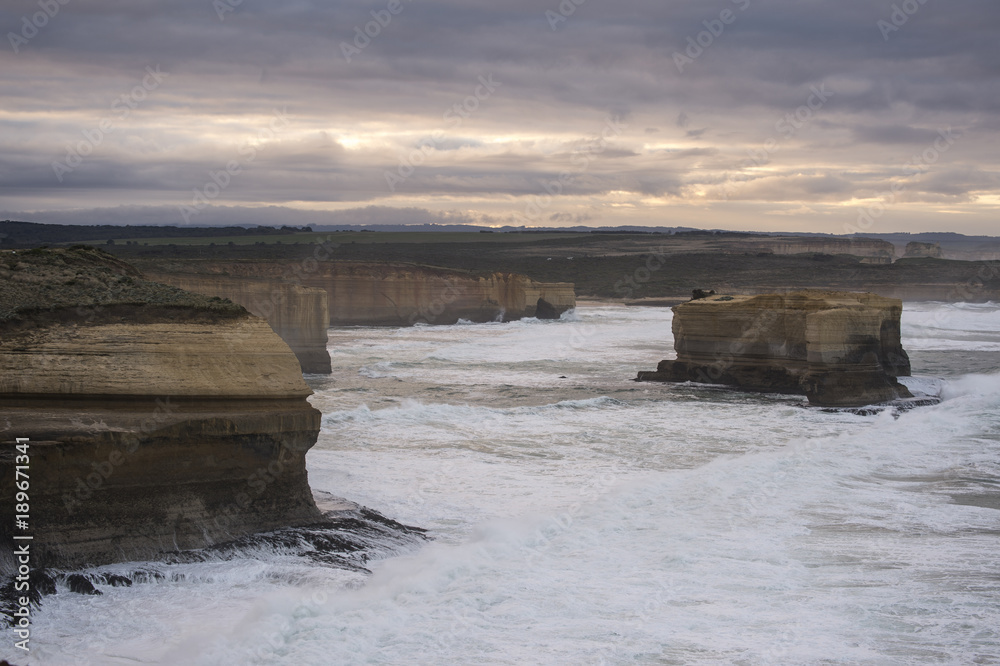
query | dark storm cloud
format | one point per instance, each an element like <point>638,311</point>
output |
<point>359,105</point>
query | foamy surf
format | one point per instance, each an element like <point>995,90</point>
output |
<point>580,517</point>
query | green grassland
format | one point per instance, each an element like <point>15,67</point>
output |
<point>420,237</point>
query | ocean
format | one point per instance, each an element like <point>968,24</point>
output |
<point>578,517</point>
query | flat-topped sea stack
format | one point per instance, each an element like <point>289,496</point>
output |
<point>157,420</point>
<point>840,349</point>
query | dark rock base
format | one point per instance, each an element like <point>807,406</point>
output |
<point>345,538</point>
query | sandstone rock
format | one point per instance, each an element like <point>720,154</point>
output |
<point>870,250</point>
<point>81,585</point>
<point>918,250</point>
<point>298,314</point>
<point>367,294</point>
<point>840,349</point>
<point>157,420</point>
<point>545,310</point>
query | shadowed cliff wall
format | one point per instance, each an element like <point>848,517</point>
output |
<point>157,419</point>
<point>148,438</point>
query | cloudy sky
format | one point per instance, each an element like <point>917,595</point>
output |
<point>800,115</point>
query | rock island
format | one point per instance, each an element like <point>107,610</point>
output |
<point>840,349</point>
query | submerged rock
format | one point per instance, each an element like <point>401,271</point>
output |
<point>840,349</point>
<point>81,585</point>
<point>347,536</point>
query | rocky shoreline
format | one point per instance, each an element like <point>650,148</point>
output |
<point>164,427</point>
<point>346,536</point>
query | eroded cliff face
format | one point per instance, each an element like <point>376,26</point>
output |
<point>839,349</point>
<point>918,250</point>
<point>366,294</point>
<point>399,295</point>
<point>871,250</point>
<point>298,314</point>
<point>157,419</point>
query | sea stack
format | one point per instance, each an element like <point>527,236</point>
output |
<point>157,420</point>
<point>840,349</point>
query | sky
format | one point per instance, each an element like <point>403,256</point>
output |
<point>846,116</point>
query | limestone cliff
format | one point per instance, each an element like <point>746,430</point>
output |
<point>871,250</point>
<point>298,314</point>
<point>916,250</point>
<point>838,348</point>
<point>158,419</point>
<point>380,294</point>
<point>402,295</point>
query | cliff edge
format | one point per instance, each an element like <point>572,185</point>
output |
<point>382,294</point>
<point>840,349</point>
<point>298,314</point>
<point>158,420</point>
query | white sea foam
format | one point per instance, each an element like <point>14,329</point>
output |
<point>594,520</point>
<point>951,326</point>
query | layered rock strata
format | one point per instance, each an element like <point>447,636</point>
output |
<point>157,420</point>
<point>298,314</point>
<point>368,294</point>
<point>916,250</point>
<point>840,349</point>
<point>870,250</point>
<point>401,295</point>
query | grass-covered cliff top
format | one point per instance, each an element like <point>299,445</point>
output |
<point>88,282</point>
